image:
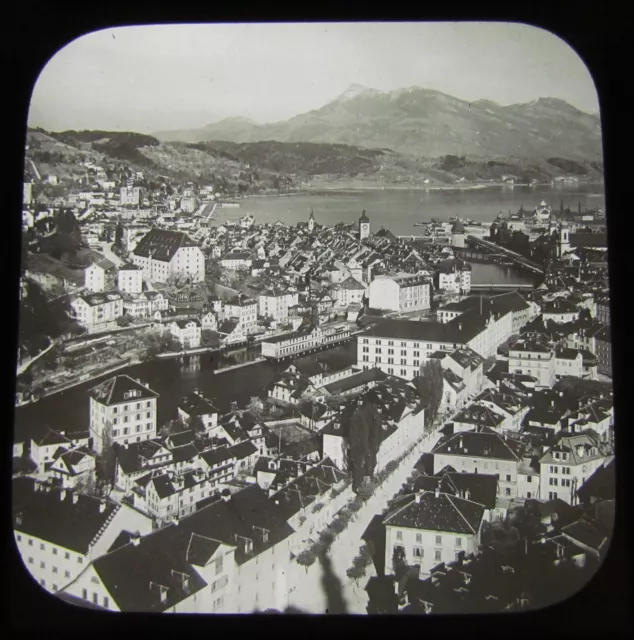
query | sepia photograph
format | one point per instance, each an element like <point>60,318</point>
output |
<point>314,318</point>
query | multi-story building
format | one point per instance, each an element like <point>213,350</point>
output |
<point>298,342</point>
<point>237,260</point>
<point>559,311</point>
<point>98,311</point>
<point>401,293</point>
<point>432,527</point>
<point>275,304</point>
<point>232,556</point>
<point>145,304</point>
<point>481,451</point>
<point>196,405</point>
<point>350,291</point>
<point>603,350</point>
<point>454,276</point>
<point>569,362</point>
<point>401,347</point>
<point>130,196</point>
<point>245,310</point>
<point>189,203</point>
<point>130,279</point>
<point>59,532</point>
<point>602,309</point>
<point>100,276</point>
<point>567,463</point>
<point>188,333</point>
<point>532,355</point>
<point>161,254</point>
<point>122,410</point>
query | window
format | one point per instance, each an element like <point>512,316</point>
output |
<point>459,542</point>
<point>418,552</point>
<point>43,583</point>
<point>54,569</point>
<point>399,535</point>
<point>80,560</point>
<point>507,491</point>
<point>54,551</point>
<point>438,556</point>
<point>218,565</point>
<point>67,555</point>
<point>419,537</point>
<point>30,560</point>
<point>106,602</point>
<point>67,574</point>
<point>529,479</point>
<point>84,594</point>
<point>508,477</point>
<point>438,539</point>
<point>42,565</point>
<point>30,542</point>
<point>42,546</point>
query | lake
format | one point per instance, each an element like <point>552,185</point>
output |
<point>398,209</point>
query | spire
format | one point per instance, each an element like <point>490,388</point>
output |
<point>312,214</point>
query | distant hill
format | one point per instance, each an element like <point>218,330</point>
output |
<point>241,168</point>
<point>426,123</point>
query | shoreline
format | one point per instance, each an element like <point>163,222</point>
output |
<point>362,187</point>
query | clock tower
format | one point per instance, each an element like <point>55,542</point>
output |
<point>364,226</point>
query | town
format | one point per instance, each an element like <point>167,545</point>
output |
<point>438,446</point>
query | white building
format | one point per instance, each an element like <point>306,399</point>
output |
<point>348,292</point>
<point>237,260</point>
<point>162,253</point>
<point>454,276</point>
<point>400,293</point>
<point>532,355</point>
<point>432,527</point>
<point>98,311</point>
<point>130,196</point>
<point>566,465</point>
<point>232,556</point>
<point>196,405</point>
<point>124,408</point>
<point>60,532</point>
<point>130,279</point>
<point>187,332</point>
<point>481,451</point>
<point>246,312</point>
<point>100,276</point>
<point>275,304</point>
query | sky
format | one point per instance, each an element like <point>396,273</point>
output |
<point>155,78</point>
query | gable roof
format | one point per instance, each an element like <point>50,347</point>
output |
<point>49,513</point>
<point>482,443</point>
<point>442,512</point>
<point>162,244</point>
<point>114,390</point>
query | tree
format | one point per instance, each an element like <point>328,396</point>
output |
<point>430,386</point>
<point>364,439</point>
<point>106,463</point>
<point>255,407</point>
<point>306,558</point>
<point>399,563</point>
<point>125,320</point>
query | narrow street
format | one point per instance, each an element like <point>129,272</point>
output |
<point>307,593</point>
<point>106,249</point>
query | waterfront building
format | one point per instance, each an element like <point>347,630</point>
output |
<point>458,235</point>
<point>245,310</point>
<point>98,311</point>
<point>122,410</point>
<point>100,276</point>
<point>196,405</point>
<point>301,341</point>
<point>401,293</point>
<point>162,253</point>
<point>454,276</point>
<point>188,333</point>
<point>59,532</point>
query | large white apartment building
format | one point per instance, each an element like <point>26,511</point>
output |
<point>401,347</point>
<point>532,355</point>
<point>400,292</point>
<point>98,311</point>
<point>162,253</point>
<point>59,532</point>
<point>124,407</point>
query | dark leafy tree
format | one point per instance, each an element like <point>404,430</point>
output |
<point>399,562</point>
<point>363,443</point>
<point>430,385</point>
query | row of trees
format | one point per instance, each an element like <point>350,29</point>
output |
<point>430,386</point>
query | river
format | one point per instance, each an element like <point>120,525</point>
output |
<point>398,209</point>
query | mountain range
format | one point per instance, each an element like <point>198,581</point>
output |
<point>424,123</point>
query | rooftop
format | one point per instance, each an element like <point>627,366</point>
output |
<point>121,389</point>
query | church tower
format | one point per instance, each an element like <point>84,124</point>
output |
<point>364,226</point>
<point>458,235</point>
<point>564,239</point>
<point>311,222</point>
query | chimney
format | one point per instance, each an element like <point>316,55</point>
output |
<point>62,494</point>
<point>135,538</point>
<point>226,495</point>
<point>460,443</point>
<point>75,498</point>
<point>437,492</point>
<point>102,506</point>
